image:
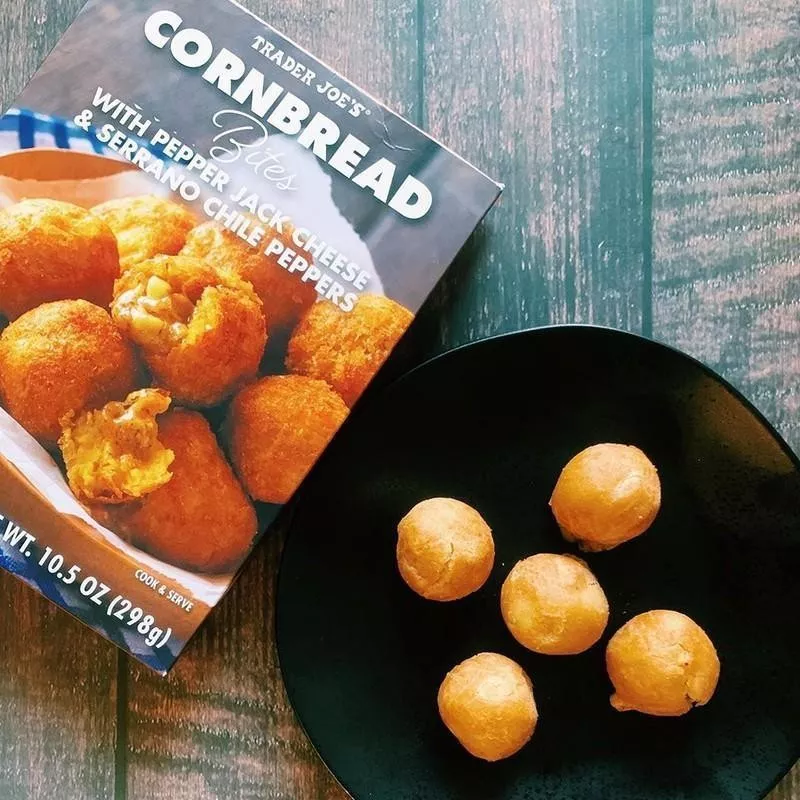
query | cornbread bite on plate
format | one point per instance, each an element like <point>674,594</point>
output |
<point>553,604</point>
<point>278,428</point>
<point>606,495</point>
<point>146,226</point>
<point>283,293</point>
<point>113,454</point>
<point>662,663</point>
<point>51,251</point>
<point>347,348</point>
<point>63,357</point>
<point>487,703</point>
<point>201,519</point>
<point>200,330</point>
<point>445,549</point>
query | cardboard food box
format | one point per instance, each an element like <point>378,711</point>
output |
<point>209,243</point>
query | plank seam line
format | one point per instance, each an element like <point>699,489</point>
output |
<point>648,176</point>
<point>121,740</point>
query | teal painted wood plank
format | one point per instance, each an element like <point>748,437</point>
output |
<point>727,194</point>
<point>546,97</point>
<point>58,695</point>
<point>726,274</point>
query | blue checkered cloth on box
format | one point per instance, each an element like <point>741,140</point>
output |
<point>22,130</point>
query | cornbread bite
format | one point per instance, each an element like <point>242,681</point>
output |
<point>606,495</point>
<point>487,703</point>
<point>346,348</point>
<point>51,251</point>
<point>662,663</point>
<point>113,454</point>
<point>553,604</point>
<point>445,549</point>
<point>201,520</point>
<point>201,331</point>
<point>284,295</point>
<point>59,358</point>
<point>146,226</point>
<point>278,428</point>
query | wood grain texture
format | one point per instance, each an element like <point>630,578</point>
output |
<point>57,702</point>
<point>58,694</point>
<point>726,200</point>
<point>545,96</point>
<point>726,271</point>
<point>220,725</point>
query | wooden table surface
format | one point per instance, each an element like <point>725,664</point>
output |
<point>650,151</point>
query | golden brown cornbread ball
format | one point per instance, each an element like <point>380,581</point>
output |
<point>553,605</point>
<point>661,663</point>
<point>344,348</point>
<point>487,703</point>
<point>201,520</point>
<point>201,331</point>
<point>445,549</point>
<point>284,295</point>
<point>54,251</point>
<point>606,495</point>
<point>59,358</point>
<point>146,226</point>
<point>278,428</point>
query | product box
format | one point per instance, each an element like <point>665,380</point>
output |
<point>209,243</point>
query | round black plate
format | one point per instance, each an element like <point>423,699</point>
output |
<point>492,424</point>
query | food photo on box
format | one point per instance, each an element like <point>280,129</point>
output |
<point>195,295</point>
<point>557,560</point>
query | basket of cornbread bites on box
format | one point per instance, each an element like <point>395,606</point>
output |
<point>162,382</point>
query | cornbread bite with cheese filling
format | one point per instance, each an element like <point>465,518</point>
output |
<point>200,330</point>
<point>113,454</point>
<point>284,295</point>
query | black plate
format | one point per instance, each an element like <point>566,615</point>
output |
<point>492,424</point>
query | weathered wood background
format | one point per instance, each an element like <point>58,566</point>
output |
<point>650,151</point>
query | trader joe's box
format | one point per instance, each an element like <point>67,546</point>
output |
<point>209,243</point>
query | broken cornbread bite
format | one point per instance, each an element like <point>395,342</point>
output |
<point>113,454</point>
<point>201,330</point>
<point>156,313</point>
<point>284,295</point>
<point>62,357</point>
<point>145,226</point>
<point>51,251</point>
